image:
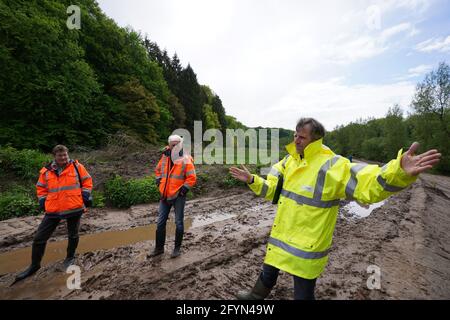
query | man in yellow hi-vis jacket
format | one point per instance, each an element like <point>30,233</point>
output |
<point>308,183</point>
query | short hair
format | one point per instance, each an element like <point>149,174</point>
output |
<point>317,129</point>
<point>59,148</point>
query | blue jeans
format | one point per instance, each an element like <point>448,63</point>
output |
<point>163,213</point>
<point>303,288</point>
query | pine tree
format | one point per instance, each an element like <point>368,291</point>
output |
<point>190,96</point>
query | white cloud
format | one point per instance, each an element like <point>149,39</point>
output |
<point>420,70</point>
<point>440,44</point>
<point>414,72</point>
<point>418,6</point>
<point>395,30</point>
<point>260,55</point>
<point>355,49</point>
<point>333,102</point>
<point>348,48</point>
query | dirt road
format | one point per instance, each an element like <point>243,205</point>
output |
<point>407,238</point>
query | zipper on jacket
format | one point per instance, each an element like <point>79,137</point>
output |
<point>167,178</point>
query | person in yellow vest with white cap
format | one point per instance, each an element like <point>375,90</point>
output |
<point>307,186</point>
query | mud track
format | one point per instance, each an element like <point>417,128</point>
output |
<point>223,249</point>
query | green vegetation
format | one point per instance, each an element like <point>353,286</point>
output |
<point>123,193</point>
<point>229,182</point>
<point>98,199</point>
<point>17,202</point>
<point>24,163</point>
<point>77,87</point>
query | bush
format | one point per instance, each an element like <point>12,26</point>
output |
<point>229,182</point>
<point>203,177</point>
<point>24,163</point>
<point>98,199</point>
<point>123,194</point>
<point>14,204</point>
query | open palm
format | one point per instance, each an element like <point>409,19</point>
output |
<point>414,164</point>
<point>241,174</point>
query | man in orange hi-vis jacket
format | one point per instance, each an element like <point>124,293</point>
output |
<point>175,175</point>
<point>64,191</point>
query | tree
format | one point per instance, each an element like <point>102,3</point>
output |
<point>220,111</point>
<point>141,112</point>
<point>395,136</point>
<point>177,110</point>
<point>48,91</point>
<point>432,103</point>
<point>190,96</point>
<point>433,94</point>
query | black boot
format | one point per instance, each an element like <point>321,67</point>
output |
<point>26,273</point>
<point>178,239</point>
<point>68,262</point>
<point>37,252</point>
<point>71,248</point>
<point>159,243</point>
<point>259,292</point>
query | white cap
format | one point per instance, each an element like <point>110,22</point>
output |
<point>175,137</point>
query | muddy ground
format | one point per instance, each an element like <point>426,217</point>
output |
<point>407,238</point>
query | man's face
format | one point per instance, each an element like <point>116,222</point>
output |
<point>302,138</point>
<point>173,144</point>
<point>62,158</point>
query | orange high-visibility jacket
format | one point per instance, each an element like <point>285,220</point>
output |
<point>63,192</point>
<point>173,177</point>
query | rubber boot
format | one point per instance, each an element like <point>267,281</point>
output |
<point>26,273</point>
<point>259,292</point>
<point>178,239</point>
<point>37,252</point>
<point>71,248</point>
<point>159,243</point>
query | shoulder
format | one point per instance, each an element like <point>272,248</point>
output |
<point>43,170</point>
<point>188,158</point>
<point>78,164</point>
<point>327,151</point>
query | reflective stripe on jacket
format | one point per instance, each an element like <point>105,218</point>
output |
<point>62,193</point>
<point>173,177</point>
<point>303,228</point>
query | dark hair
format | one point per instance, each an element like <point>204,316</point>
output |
<point>317,129</point>
<point>59,148</point>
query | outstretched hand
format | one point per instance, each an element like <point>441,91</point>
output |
<point>241,174</point>
<point>414,164</point>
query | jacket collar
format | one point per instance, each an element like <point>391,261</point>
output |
<point>310,151</point>
<point>52,166</point>
<point>166,151</point>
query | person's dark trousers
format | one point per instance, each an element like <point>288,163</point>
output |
<point>163,215</point>
<point>46,229</point>
<point>303,288</point>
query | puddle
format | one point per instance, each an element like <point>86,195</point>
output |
<point>19,259</point>
<point>361,211</point>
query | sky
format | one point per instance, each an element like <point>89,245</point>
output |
<point>274,61</point>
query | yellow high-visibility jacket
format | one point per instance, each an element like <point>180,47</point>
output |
<point>303,228</point>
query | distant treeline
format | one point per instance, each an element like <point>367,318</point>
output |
<point>429,124</point>
<point>78,86</point>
